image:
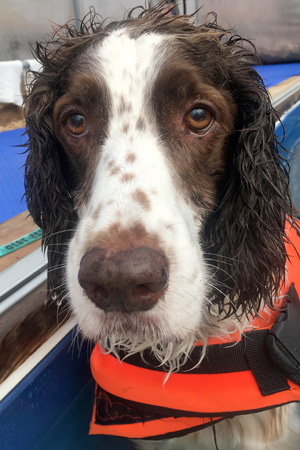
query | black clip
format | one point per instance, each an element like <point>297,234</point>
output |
<point>283,341</point>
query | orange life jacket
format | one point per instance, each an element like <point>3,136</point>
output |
<point>260,371</point>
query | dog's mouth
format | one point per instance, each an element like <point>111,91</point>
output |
<point>125,334</point>
<point>135,329</point>
<point>120,325</point>
<point>145,337</point>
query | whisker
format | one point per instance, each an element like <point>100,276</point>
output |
<point>69,230</point>
<point>218,256</point>
<point>59,266</point>
<point>217,269</point>
<point>58,253</point>
<point>65,244</point>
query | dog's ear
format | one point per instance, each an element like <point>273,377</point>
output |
<point>49,178</point>
<point>247,230</point>
<point>46,187</point>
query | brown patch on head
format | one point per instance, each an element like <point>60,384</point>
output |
<point>198,156</point>
<point>142,198</point>
<point>87,95</point>
<point>117,238</point>
<point>140,124</point>
<point>126,177</point>
<point>130,158</point>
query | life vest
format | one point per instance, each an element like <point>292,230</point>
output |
<point>238,375</point>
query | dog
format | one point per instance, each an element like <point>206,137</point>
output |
<point>154,172</point>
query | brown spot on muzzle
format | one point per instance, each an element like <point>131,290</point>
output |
<point>130,158</point>
<point>142,198</point>
<point>115,170</point>
<point>117,238</point>
<point>126,177</point>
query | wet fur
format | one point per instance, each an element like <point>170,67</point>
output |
<point>248,197</point>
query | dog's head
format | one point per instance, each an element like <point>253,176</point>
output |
<point>154,172</point>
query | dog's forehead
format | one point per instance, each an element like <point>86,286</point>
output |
<point>121,45</point>
<point>130,63</point>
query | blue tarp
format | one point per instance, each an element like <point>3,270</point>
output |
<point>12,160</point>
<point>276,73</point>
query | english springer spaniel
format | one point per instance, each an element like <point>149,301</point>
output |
<point>154,173</point>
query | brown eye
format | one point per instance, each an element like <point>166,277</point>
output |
<point>76,124</point>
<point>198,119</point>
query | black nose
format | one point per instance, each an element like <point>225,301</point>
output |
<point>130,280</point>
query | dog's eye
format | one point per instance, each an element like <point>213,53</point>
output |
<point>76,124</point>
<point>198,119</point>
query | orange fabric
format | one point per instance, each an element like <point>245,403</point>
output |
<point>293,262</point>
<point>184,391</point>
<point>199,393</point>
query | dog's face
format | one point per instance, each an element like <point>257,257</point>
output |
<point>149,130</point>
<point>164,139</point>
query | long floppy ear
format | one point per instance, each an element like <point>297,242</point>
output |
<point>49,176</point>
<point>246,233</point>
<point>46,186</point>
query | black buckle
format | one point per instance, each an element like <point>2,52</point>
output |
<point>283,341</point>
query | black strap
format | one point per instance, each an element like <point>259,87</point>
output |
<point>113,410</point>
<point>283,342</point>
<point>219,358</point>
<point>269,377</point>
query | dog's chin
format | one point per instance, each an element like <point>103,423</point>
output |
<point>139,326</point>
<point>133,333</point>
